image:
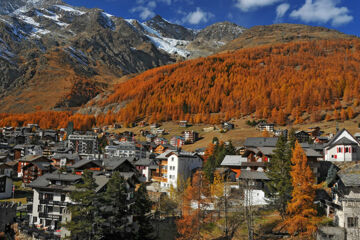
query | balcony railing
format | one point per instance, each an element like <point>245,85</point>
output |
<point>50,215</point>
<point>159,179</point>
<point>52,202</point>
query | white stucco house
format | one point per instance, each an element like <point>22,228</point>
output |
<point>175,165</point>
<point>343,147</point>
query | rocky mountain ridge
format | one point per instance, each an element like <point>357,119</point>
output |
<point>50,43</point>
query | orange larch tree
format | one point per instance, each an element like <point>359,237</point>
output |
<point>301,211</point>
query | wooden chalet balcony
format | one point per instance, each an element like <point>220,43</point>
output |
<point>159,179</point>
<point>163,171</point>
<point>163,163</point>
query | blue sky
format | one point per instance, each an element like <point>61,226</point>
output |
<point>342,15</point>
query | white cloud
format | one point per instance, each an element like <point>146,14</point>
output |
<point>248,5</point>
<point>197,17</point>
<point>281,10</point>
<point>144,12</point>
<point>323,11</point>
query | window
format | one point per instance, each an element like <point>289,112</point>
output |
<point>339,149</point>
<point>346,149</point>
<point>352,222</point>
<point>3,184</point>
<point>34,219</point>
<point>63,197</point>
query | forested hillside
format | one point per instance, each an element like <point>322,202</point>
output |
<point>280,83</point>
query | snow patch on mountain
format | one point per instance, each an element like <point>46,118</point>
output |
<point>52,16</point>
<point>167,47</point>
<point>29,20</point>
<point>70,9</point>
<point>108,22</point>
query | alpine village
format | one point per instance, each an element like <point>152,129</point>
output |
<point>115,128</point>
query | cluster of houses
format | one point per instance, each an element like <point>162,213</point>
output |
<point>52,162</point>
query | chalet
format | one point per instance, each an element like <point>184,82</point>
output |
<point>343,147</point>
<point>263,126</point>
<point>177,141</point>
<point>22,162</point>
<point>302,136</point>
<point>35,169</point>
<point>118,164</point>
<point>254,187</point>
<point>233,162</point>
<point>228,125</point>
<point>6,185</point>
<point>345,206</point>
<point>321,139</point>
<point>86,164</point>
<point>190,136</point>
<point>314,132</point>
<point>160,140</point>
<point>147,167</point>
<point>26,149</point>
<point>163,147</point>
<point>6,170</point>
<point>281,133</point>
<point>253,142</point>
<point>183,124</point>
<point>150,137</point>
<point>155,125</point>
<point>64,159</point>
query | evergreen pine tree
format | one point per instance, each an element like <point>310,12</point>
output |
<point>86,220</point>
<point>279,175</point>
<point>116,208</point>
<point>331,175</point>
<point>142,209</point>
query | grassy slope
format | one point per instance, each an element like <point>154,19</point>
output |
<point>241,131</point>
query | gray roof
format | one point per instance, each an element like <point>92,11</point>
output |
<point>344,141</point>
<point>261,142</point>
<point>164,154</point>
<point>331,142</point>
<point>70,156</point>
<point>84,162</point>
<point>143,162</point>
<point>311,153</point>
<point>101,181</point>
<point>233,160</point>
<point>30,158</point>
<point>43,165</point>
<point>113,163</point>
<point>267,150</point>
<point>44,180</point>
<point>318,147</point>
<point>350,179</point>
<point>246,174</point>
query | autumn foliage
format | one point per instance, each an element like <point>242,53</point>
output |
<point>301,211</point>
<point>48,120</point>
<point>195,200</point>
<point>279,83</point>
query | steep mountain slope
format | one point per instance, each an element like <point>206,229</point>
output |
<point>281,33</point>
<point>279,82</point>
<point>170,30</point>
<point>55,55</point>
<point>209,40</point>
